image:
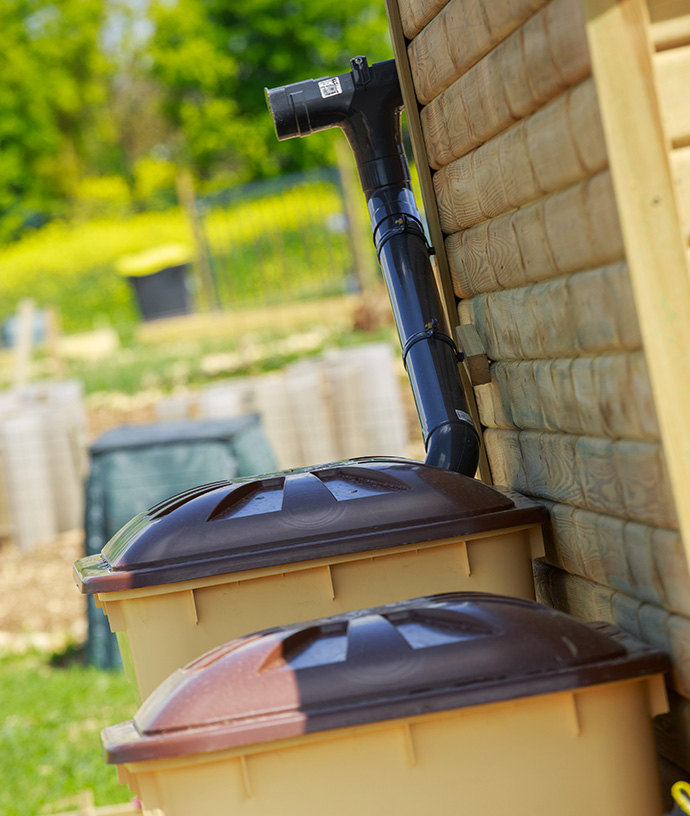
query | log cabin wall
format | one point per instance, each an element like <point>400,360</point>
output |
<point>510,125</point>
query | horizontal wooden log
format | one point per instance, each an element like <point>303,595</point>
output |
<point>583,599</point>
<point>415,14</point>
<point>607,395</point>
<point>559,145</point>
<point>492,411</point>
<point>672,732</point>
<point>672,69</point>
<point>463,32</point>
<point>670,23</point>
<point>590,601</point>
<point>585,313</point>
<point>474,354</point>
<point>570,230</point>
<point>669,774</point>
<point>623,478</point>
<point>648,563</point>
<point>535,64</point>
<point>680,166</point>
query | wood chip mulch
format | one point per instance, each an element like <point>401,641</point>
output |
<point>40,605</point>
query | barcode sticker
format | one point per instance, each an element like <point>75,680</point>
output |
<point>330,87</point>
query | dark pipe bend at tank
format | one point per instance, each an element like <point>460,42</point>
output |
<point>366,104</point>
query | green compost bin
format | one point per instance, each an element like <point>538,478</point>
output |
<point>136,466</point>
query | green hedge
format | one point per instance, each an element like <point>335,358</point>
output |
<point>288,242</point>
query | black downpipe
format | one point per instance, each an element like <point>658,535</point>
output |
<point>366,104</point>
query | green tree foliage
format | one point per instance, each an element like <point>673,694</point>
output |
<point>53,98</point>
<point>101,100</point>
<point>195,73</point>
<point>281,41</point>
<point>215,57</point>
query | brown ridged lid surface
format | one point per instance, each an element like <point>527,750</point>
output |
<point>431,654</point>
<point>299,515</point>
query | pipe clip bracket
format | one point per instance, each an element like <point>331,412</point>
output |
<point>403,223</point>
<point>431,330</point>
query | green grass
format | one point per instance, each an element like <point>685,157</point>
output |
<point>50,723</point>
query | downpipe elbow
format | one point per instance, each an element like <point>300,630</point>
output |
<point>454,445</point>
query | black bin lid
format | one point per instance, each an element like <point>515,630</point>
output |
<point>431,654</point>
<point>298,515</point>
<point>155,434</point>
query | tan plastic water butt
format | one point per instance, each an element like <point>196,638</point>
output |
<point>460,703</point>
<point>235,557</point>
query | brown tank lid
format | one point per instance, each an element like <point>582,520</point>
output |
<point>298,515</point>
<point>415,657</point>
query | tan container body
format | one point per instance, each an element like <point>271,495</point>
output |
<point>585,752</point>
<point>230,558</point>
<point>163,627</point>
<point>458,703</point>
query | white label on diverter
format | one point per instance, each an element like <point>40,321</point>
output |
<point>330,87</point>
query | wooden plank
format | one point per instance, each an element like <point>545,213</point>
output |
<point>626,478</point>
<point>557,146</point>
<point>186,194</point>
<point>587,406</point>
<point>505,457</point>
<point>670,23</point>
<point>459,36</point>
<point>420,154</point>
<point>624,396</point>
<point>672,70</point>
<point>608,395</point>
<point>576,596</point>
<point>669,774</point>
<point>621,52</point>
<point>562,545</point>
<point>415,14</point>
<point>594,310</point>
<point>358,229</point>
<point>680,165</point>
<point>677,632</point>
<point>57,363</point>
<point>671,566</point>
<point>646,581</point>
<point>570,230</point>
<point>644,561</point>
<point>536,63</point>
<point>472,348</point>
<point>672,731</point>
<point>494,413</point>
<point>647,495</point>
<point>607,317</point>
<point>85,804</point>
<point>334,311</point>
<point>551,466</point>
<point>590,601</point>
<point>517,391</point>
<point>24,343</point>
<point>430,208</point>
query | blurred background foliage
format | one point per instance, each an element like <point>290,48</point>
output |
<point>109,108</point>
<point>103,101</point>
